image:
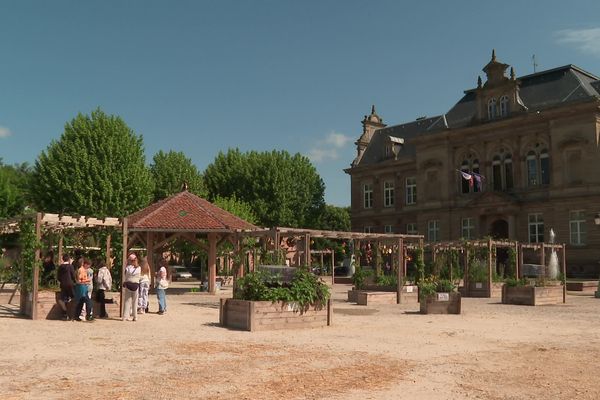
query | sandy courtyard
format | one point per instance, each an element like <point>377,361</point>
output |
<point>491,351</point>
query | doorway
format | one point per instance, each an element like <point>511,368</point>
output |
<point>499,231</point>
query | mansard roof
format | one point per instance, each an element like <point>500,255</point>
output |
<point>542,90</point>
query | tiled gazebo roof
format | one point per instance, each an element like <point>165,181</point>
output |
<point>185,211</point>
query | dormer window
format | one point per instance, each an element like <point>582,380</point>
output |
<point>504,109</point>
<point>491,109</point>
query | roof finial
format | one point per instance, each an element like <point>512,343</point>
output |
<point>373,109</point>
<point>479,82</point>
<point>512,73</point>
<point>493,54</point>
<point>184,187</point>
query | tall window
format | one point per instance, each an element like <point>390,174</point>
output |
<point>411,229</point>
<point>388,229</point>
<point>538,168</point>
<point>368,229</point>
<point>502,178</point>
<point>411,190</point>
<point>491,108</point>
<point>470,165</point>
<point>536,228</point>
<point>368,195</point>
<point>433,230</point>
<point>577,227</point>
<point>388,194</point>
<point>467,228</point>
<point>504,106</point>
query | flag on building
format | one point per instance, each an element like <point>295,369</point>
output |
<point>467,176</point>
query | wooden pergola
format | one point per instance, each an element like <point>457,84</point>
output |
<point>55,223</point>
<point>183,216</point>
<point>398,241</point>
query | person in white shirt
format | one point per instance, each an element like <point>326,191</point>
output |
<point>131,284</point>
<point>161,284</point>
<point>104,284</point>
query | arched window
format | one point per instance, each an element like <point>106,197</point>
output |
<point>470,166</point>
<point>508,172</point>
<point>538,168</point>
<point>497,173</point>
<point>491,108</point>
<point>545,167</point>
<point>504,106</point>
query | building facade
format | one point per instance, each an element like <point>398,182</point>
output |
<point>514,158</point>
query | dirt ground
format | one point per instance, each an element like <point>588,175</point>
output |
<point>491,351</point>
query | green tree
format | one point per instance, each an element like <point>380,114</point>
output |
<point>170,170</point>
<point>333,218</point>
<point>237,207</point>
<point>97,167</point>
<point>14,181</point>
<point>282,189</point>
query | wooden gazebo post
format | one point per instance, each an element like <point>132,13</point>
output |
<point>564,270</point>
<point>489,282</point>
<point>212,263</point>
<point>332,266</point>
<point>36,268</point>
<point>400,271</point>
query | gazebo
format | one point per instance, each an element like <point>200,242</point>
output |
<point>183,216</point>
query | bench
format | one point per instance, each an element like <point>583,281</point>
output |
<point>370,298</point>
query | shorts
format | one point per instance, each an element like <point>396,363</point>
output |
<point>66,294</point>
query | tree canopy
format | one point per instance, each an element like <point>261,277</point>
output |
<point>333,218</point>
<point>14,182</point>
<point>170,170</point>
<point>237,207</point>
<point>282,189</point>
<point>97,167</point>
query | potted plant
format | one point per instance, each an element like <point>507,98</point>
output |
<point>438,296</point>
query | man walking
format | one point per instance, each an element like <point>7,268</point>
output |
<point>66,278</point>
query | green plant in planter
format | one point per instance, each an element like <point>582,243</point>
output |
<point>513,282</point>
<point>386,280</point>
<point>359,277</point>
<point>478,271</point>
<point>432,285</point>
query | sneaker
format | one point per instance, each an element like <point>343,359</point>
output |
<point>78,319</point>
<point>125,319</point>
<point>135,319</point>
<point>160,312</point>
<point>89,318</point>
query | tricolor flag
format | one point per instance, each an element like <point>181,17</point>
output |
<point>479,179</point>
<point>467,177</point>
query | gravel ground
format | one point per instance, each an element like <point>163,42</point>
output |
<point>490,351</point>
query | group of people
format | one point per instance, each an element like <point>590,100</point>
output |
<point>77,278</point>
<point>137,285</point>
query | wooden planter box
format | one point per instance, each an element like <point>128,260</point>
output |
<point>586,287</point>
<point>479,289</point>
<point>441,303</point>
<point>410,293</point>
<point>266,315</point>
<point>366,298</point>
<point>532,295</point>
<point>48,308</point>
<point>10,295</point>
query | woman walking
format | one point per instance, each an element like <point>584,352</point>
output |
<point>162,283</point>
<point>104,282</point>
<point>132,284</point>
<point>144,287</point>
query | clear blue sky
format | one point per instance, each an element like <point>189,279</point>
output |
<point>203,76</point>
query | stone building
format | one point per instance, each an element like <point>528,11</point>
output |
<point>533,140</point>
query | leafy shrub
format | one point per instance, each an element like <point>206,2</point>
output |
<point>513,282</point>
<point>478,271</point>
<point>359,277</point>
<point>387,280</point>
<point>432,285</point>
<point>305,288</point>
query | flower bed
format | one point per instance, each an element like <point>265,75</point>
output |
<point>532,295</point>
<point>263,301</point>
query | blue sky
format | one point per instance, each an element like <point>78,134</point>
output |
<point>203,76</point>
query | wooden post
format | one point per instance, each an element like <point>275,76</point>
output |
<point>517,266</point>
<point>543,260</point>
<point>564,268</point>
<point>150,255</point>
<point>466,273</point>
<point>307,250</point>
<point>36,267</point>
<point>124,263</point>
<point>520,258</point>
<point>108,250</point>
<point>212,263</point>
<point>332,267</point>
<point>400,271</point>
<point>489,282</point>
<point>329,312</point>
<point>61,240</point>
